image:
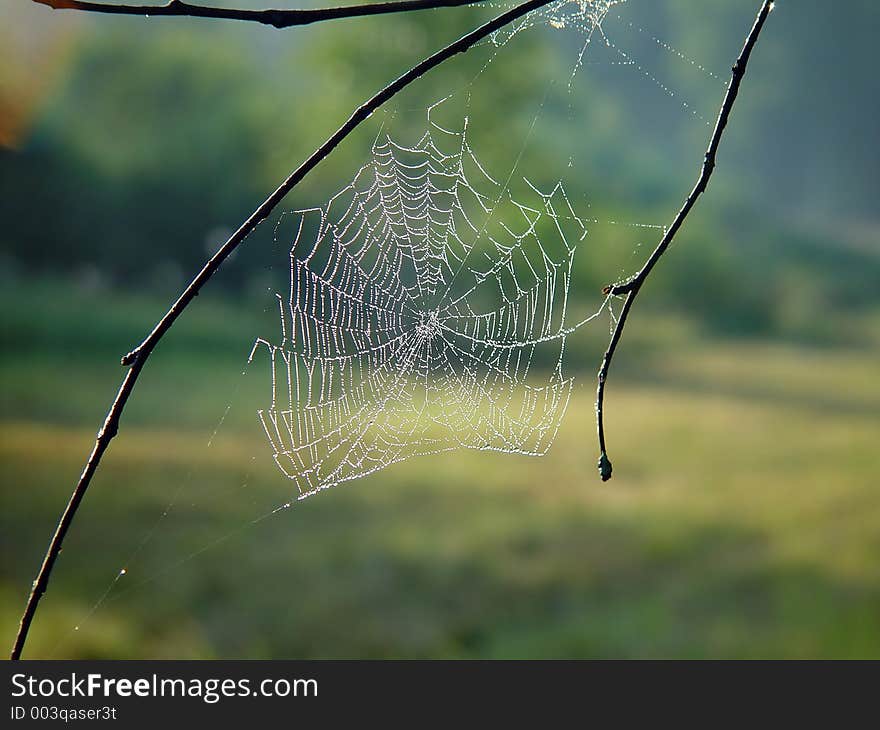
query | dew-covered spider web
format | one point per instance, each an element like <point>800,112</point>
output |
<point>421,295</point>
<point>428,307</point>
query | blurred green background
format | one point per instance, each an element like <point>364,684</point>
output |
<point>743,519</point>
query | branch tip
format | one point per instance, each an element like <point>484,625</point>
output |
<point>604,466</point>
<point>618,290</point>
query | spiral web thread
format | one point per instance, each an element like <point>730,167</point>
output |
<point>421,295</point>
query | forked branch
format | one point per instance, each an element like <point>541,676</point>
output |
<point>631,287</point>
<point>137,358</point>
<point>276,18</point>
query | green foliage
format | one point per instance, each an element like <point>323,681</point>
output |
<point>161,138</point>
<point>153,142</point>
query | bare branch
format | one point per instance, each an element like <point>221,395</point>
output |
<point>276,18</point>
<point>632,287</point>
<point>137,358</point>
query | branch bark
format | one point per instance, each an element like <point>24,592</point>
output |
<point>137,358</point>
<point>633,286</point>
<point>275,18</point>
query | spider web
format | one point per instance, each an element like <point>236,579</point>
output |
<point>421,295</point>
<point>427,305</point>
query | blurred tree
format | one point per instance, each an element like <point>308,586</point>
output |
<point>157,142</point>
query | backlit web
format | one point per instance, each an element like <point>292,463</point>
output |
<point>428,305</point>
<point>421,297</point>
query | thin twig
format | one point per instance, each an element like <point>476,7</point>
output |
<point>136,359</point>
<point>632,286</point>
<point>276,18</point>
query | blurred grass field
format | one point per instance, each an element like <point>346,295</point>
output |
<point>743,519</point>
